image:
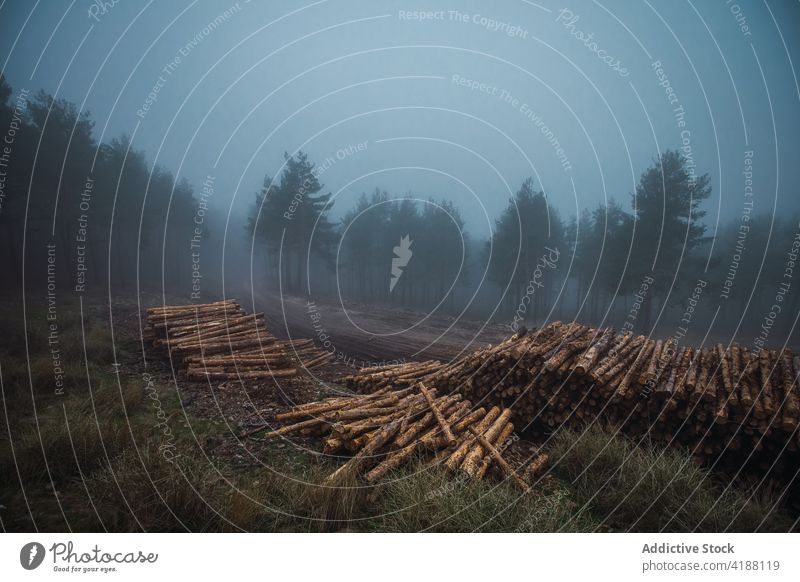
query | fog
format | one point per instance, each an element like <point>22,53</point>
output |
<point>459,107</point>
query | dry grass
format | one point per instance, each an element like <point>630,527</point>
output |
<point>432,500</point>
<point>641,488</point>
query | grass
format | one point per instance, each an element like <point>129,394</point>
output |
<point>599,483</point>
<point>107,470</point>
<point>189,495</point>
<point>599,488</point>
<point>432,500</point>
<point>643,488</point>
<point>141,490</point>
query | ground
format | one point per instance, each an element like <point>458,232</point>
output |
<point>374,334</point>
<point>138,448</point>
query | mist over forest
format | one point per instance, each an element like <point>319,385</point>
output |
<point>517,201</point>
<point>644,259</point>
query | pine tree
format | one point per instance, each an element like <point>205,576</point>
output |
<point>668,225</point>
<point>291,218</point>
<point>522,233</point>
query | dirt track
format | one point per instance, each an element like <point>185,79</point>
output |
<point>362,334</point>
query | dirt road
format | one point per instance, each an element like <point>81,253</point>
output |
<point>364,335</point>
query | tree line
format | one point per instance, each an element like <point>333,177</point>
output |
<point>108,217</point>
<point>609,263</point>
<point>103,213</point>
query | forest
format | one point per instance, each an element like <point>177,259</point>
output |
<point>112,221</point>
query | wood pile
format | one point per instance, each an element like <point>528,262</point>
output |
<point>728,404</point>
<point>395,376</point>
<point>221,341</point>
<point>386,429</point>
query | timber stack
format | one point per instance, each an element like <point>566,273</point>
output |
<point>387,428</point>
<point>221,341</point>
<point>394,376</point>
<point>730,405</point>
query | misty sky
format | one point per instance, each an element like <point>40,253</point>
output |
<point>459,105</point>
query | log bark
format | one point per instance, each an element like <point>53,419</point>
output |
<point>498,458</point>
<point>443,425</point>
<point>473,457</point>
<point>364,455</point>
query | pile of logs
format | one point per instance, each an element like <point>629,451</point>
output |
<point>387,428</point>
<point>394,376</point>
<point>221,341</point>
<point>728,404</point>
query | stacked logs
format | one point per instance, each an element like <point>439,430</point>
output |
<point>221,341</point>
<point>402,375</point>
<point>729,404</point>
<point>386,429</point>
